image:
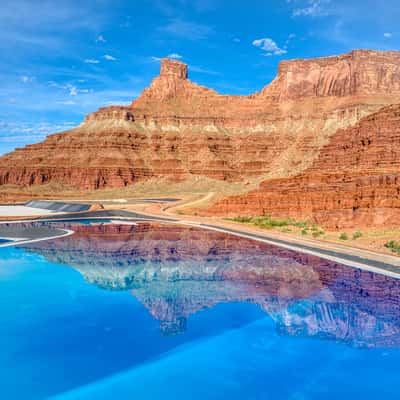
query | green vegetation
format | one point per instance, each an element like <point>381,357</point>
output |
<point>357,235</point>
<point>343,236</point>
<point>282,225</point>
<point>394,246</point>
<point>317,233</point>
<point>242,219</point>
<point>268,222</point>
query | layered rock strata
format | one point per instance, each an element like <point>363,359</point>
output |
<point>178,129</point>
<point>355,181</point>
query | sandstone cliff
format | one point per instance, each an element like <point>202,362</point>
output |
<point>355,181</point>
<point>177,130</point>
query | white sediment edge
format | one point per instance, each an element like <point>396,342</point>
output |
<point>293,247</point>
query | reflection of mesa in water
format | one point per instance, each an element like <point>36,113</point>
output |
<point>176,271</point>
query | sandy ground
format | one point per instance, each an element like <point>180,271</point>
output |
<point>22,211</point>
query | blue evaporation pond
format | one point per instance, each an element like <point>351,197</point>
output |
<point>168,312</point>
<point>83,221</point>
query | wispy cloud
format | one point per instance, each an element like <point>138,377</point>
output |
<point>67,102</point>
<point>100,39</point>
<point>313,8</point>
<point>187,30</point>
<point>27,79</point>
<point>290,37</point>
<point>18,131</point>
<point>201,70</point>
<point>73,90</point>
<point>29,22</point>
<point>388,35</point>
<point>108,57</point>
<point>91,61</point>
<point>269,46</point>
<point>176,56</point>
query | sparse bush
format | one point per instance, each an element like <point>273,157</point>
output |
<point>343,236</point>
<point>394,246</point>
<point>317,233</point>
<point>267,221</point>
<point>357,235</point>
<point>304,232</point>
<point>242,219</point>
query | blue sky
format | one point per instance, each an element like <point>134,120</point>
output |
<point>62,59</point>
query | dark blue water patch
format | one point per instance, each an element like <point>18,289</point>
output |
<point>4,241</point>
<point>168,312</point>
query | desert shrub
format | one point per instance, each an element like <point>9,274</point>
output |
<point>242,219</point>
<point>317,233</point>
<point>266,221</point>
<point>304,232</point>
<point>343,236</point>
<point>357,235</point>
<point>394,246</point>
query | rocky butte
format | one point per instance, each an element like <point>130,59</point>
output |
<point>321,140</point>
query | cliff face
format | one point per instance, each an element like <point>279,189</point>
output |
<point>177,129</point>
<point>359,73</point>
<point>354,181</point>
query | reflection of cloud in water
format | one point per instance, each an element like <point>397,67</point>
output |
<point>177,271</point>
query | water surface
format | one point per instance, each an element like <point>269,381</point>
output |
<point>167,312</point>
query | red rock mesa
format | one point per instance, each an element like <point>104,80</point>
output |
<point>302,136</point>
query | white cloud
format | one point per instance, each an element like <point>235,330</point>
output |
<point>176,56</point>
<point>27,79</point>
<point>269,46</point>
<point>201,70</point>
<point>91,61</point>
<point>100,39</point>
<point>171,55</point>
<point>109,57</point>
<point>30,130</point>
<point>388,34</point>
<point>236,40</point>
<point>67,103</point>
<point>288,40</point>
<point>71,89</point>
<point>314,8</point>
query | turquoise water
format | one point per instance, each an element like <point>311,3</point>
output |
<point>167,312</point>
